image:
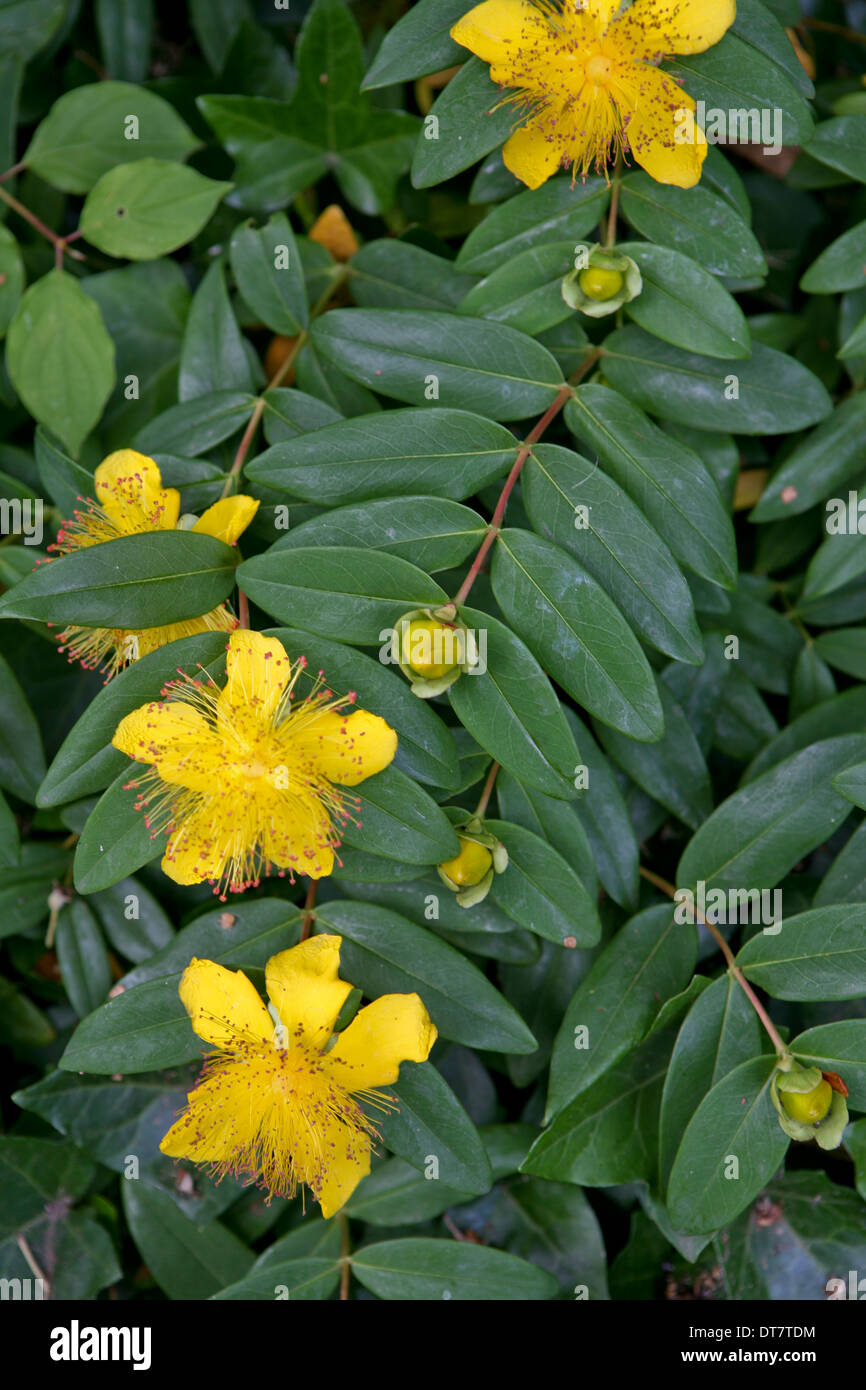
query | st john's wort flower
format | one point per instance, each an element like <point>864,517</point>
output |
<point>277,1104</point>
<point>131,500</point>
<point>247,780</point>
<point>586,82</point>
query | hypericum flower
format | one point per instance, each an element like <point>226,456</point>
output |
<point>588,83</point>
<point>810,1103</point>
<point>132,500</point>
<point>470,873</point>
<point>275,1103</point>
<point>246,779</point>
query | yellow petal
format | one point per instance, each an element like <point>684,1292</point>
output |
<point>347,1161</point>
<point>305,990</point>
<point>531,154</point>
<point>176,738</point>
<point>129,488</point>
<point>228,518</point>
<point>258,671</point>
<point>196,852</point>
<point>224,1007</point>
<point>656,122</point>
<point>497,30</point>
<point>674,26</point>
<point>297,832</point>
<point>344,748</point>
<point>393,1029</point>
<point>223,1116</point>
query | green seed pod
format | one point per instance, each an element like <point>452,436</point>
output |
<point>807,1105</point>
<point>433,649</point>
<point>470,873</point>
<point>601,282</point>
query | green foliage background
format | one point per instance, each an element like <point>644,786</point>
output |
<point>560,1169</point>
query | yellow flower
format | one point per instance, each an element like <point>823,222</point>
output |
<point>131,501</point>
<point>274,1102</point>
<point>588,81</point>
<point>247,779</point>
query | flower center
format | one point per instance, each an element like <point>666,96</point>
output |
<point>598,69</point>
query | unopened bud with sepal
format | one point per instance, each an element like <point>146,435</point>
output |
<point>601,282</point>
<point>808,1105</point>
<point>470,873</point>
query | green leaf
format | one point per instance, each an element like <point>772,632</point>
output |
<point>694,221</point>
<point>417,44</point>
<point>187,1261</point>
<point>146,209</point>
<point>383,953</point>
<point>471,364</point>
<point>329,126</point>
<point>577,632</point>
<point>22,761</point>
<point>116,839</point>
<point>736,1119</point>
<point>559,211</point>
<point>25,887</point>
<point>513,713</point>
<point>289,413</point>
<point>663,477</point>
<point>144,308</point>
<point>434,534</point>
<point>841,144</point>
<point>526,292</point>
<point>721,1030</point>
<point>82,958</point>
<point>390,274</point>
<point>757,835</point>
<point>60,357</point>
<point>93,128</point>
<point>840,267</point>
<point>214,356</point>
<point>775,394</point>
<point>196,426</point>
<point>471,119</point>
<point>125,36</point>
<point>608,1133</point>
<point>540,890</point>
<point>11,278</point>
<point>216,24</point>
<point>397,819</point>
<point>86,762</point>
<point>23,30</point>
<point>444,453</point>
<point>816,955</point>
<point>132,919</point>
<point>673,770</point>
<point>138,581</point>
<point>651,959</point>
<point>845,649</point>
<point>269,275</point>
<point>426,747</point>
<point>356,595</point>
<point>302,1266</point>
<point>605,818</point>
<point>819,465</point>
<point>839,1047</point>
<point>735,75</point>
<point>421,1269</point>
<point>429,1121</point>
<point>684,304</point>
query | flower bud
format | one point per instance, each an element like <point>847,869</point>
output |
<point>808,1106</point>
<point>470,873</point>
<point>601,282</point>
<point>433,649</point>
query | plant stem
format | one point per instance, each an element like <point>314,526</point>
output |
<point>249,433</point>
<point>58,242</point>
<point>610,238</point>
<point>11,172</point>
<point>345,1261</point>
<point>728,954</point>
<point>488,790</point>
<point>563,396</point>
<point>829,28</point>
<point>309,912</point>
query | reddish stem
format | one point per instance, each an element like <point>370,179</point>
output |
<point>562,397</point>
<point>309,906</point>
<point>488,790</point>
